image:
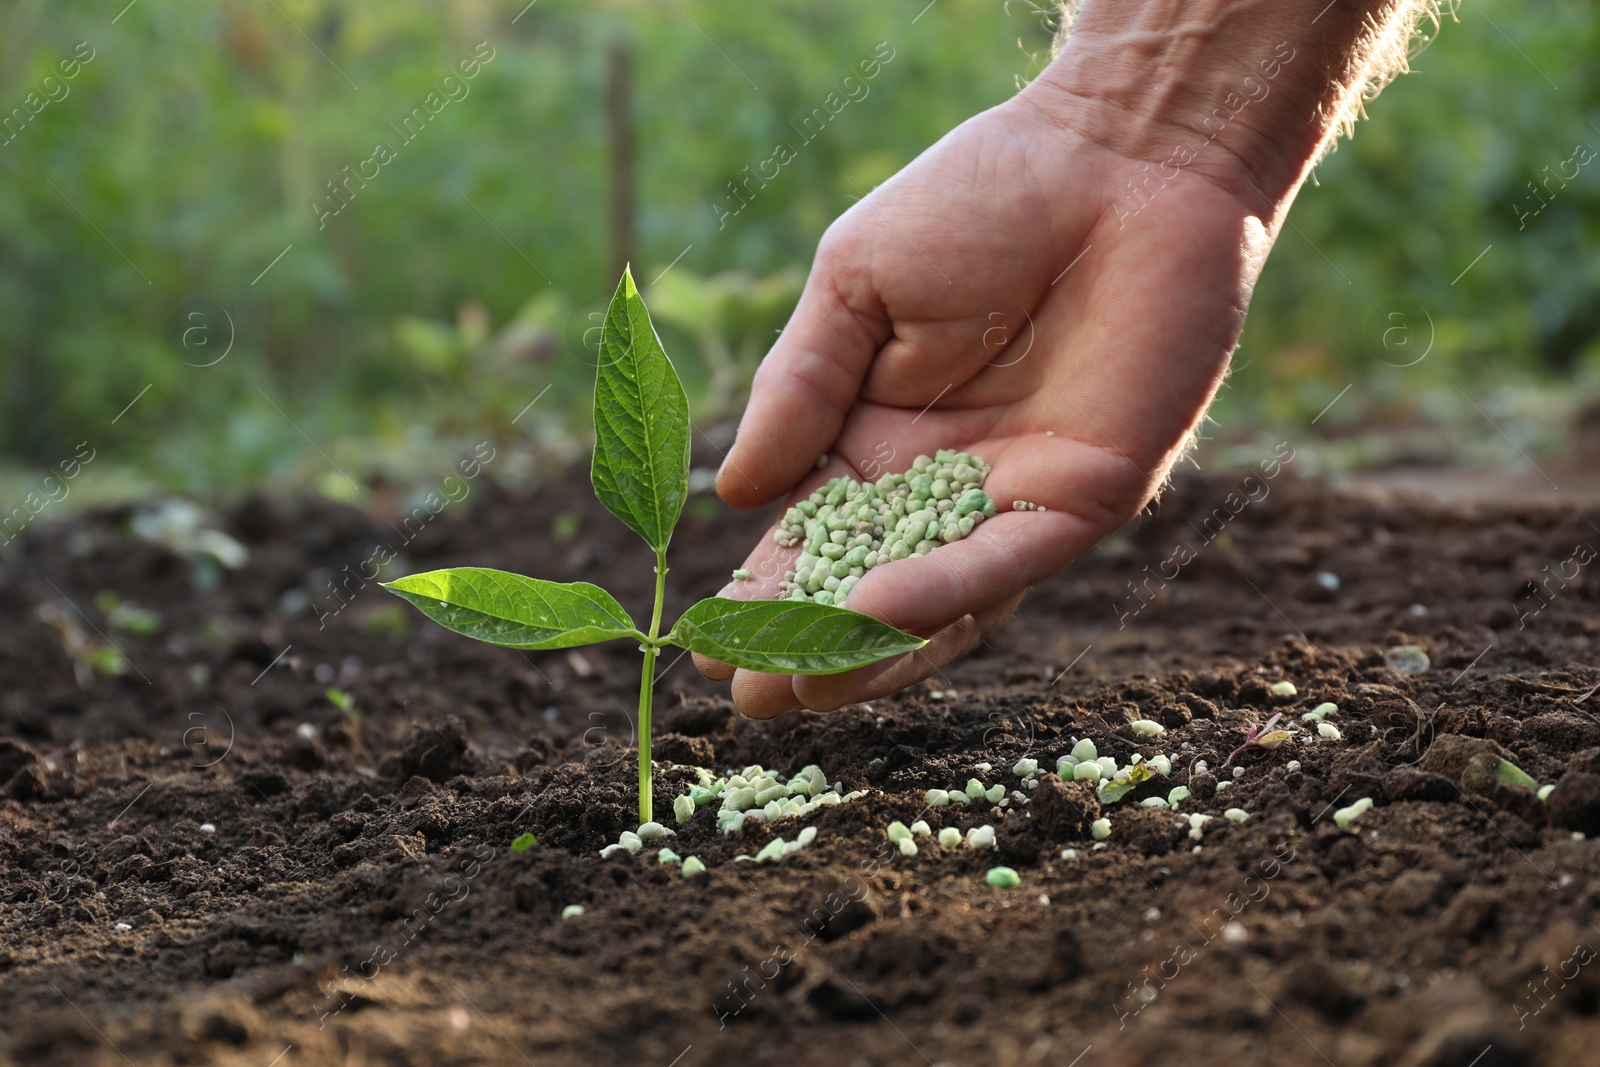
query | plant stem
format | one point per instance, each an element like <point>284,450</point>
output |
<point>647,691</point>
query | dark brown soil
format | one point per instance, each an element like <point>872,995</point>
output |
<point>356,901</point>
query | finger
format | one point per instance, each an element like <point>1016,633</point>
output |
<point>831,691</point>
<point>710,668</point>
<point>764,696</point>
<point>803,388</point>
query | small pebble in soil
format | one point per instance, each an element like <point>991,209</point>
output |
<point>572,911</point>
<point>908,847</point>
<point>1236,815</point>
<point>1282,689</point>
<point>938,798</point>
<point>1321,711</point>
<point>921,828</point>
<point>1406,659</point>
<point>981,837</point>
<point>949,837</point>
<point>652,831</point>
<point>1234,932</point>
<point>1100,829</point>
<point>1223,785</point>
<point>1329,731</point>
<point>1292,765</point>
<point>1069,853</point>
<point>1085,750</point>
<point>757,795</point>
<point>1328,580</point>
<point>1238,772</point>
<point>1087,771</point>
<point>666,855</point>
<point>1024,767</point>
<point>772,850</point>
<point>208,828</point>
<point>693,865</point>
<point>683,808</point>
<point>1002,878</point>
<point>123,926</point>
<point>627,841</point>
<point>1176,794</point>
<point>897,831</point>
<point>1147,728</point>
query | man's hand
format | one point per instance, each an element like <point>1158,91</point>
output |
<point>1056,286</point>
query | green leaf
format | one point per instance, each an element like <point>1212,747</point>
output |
<point>1509,773</point>
<point>787,636</point>
<point>511,610</point>
<point>523,843</point>
<point>641,423</point>
<point>1114,790</point>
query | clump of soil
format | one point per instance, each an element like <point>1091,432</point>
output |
<point>208,860</point>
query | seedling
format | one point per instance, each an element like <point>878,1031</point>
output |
<point>342,700</point>
<point>89,656</point>
<point>1509,773</point>
<point>1262,737</point>
<point>641,474</point>
<point>124,616</point>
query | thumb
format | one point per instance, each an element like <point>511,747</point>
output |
<point>802,391</point>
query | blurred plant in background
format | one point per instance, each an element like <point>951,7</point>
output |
<point>194,163</point>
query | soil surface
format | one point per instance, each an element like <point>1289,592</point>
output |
<point>207,860</point>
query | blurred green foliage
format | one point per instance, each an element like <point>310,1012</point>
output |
<point>1377,281</point>
<point>201,152</point>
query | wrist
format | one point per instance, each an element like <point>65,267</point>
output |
<point>1246,93</point>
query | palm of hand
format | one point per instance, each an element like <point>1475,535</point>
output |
<point>997,297</point>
